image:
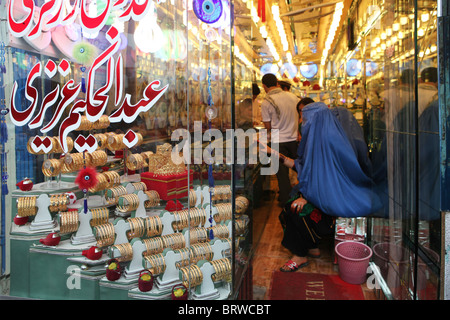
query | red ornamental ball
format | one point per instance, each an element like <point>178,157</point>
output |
<point>306,83</point>
<point>316,87</point>
<point>86,178</point>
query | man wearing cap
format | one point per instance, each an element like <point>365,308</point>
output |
<point>428,91</point>
<point>279,111</point>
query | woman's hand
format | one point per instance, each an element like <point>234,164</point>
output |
<point>297,205</point>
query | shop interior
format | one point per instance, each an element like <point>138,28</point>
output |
<point>176,77</point>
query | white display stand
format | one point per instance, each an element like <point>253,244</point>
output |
<point>43,219</point>
<point>206,290</point>
<point>84,233</point>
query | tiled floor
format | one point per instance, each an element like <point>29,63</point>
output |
<point>270,255</point>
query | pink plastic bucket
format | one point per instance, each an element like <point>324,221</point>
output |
<point>353,260</point>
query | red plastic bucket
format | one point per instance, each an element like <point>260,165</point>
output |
<point>353,260</point>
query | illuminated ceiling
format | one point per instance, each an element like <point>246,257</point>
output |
<point>306,25</point>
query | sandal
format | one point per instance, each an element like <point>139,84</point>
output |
<point>292,266</point>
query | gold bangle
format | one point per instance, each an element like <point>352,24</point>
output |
<point>153,246</point>
<point>104,234</point>
<point>26,206</point>
<point>191,276</point>
<point>68,221</point>
<point>153,199</point>
<point>137,228</point>
<point>51,167</point>
<point>157,262</point>
<point>101,123</point>
<point>154,226</point>
<point>99,216</point>
<point>85,124</point>
<point>113,178</point>
<point>125,249</point>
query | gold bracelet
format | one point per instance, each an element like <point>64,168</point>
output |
<point>153,246</point>
<point>174,241</point>
<point>101,123</point>
<point>125,249</point>
<point>154,226</point>
<point>157,263</point>
<point>85,124</point>
<point>26,206</point>
<point>128,203</point>
<point>68,222</point>
<point>112,195</point>
<point>135,162</point>
<point>113,178</point>
<point>99,216</point>
<point>137,228</point>
<point>153,199</point>
<point>51,167</point>
<point>104,234</point>
<point>191,276</point>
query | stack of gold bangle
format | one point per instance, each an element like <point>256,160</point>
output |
<point>157,263</point>
<point>58,202</point>
<point>220,231</point>
<point>105,234</point>
<point>112,177</point>
<point>115,142</point>
<point>221,192</point>
<point>125,249</point>
<point>112,195</point>
<point>51,167</point>
<point>241,204</point>
<point>222,269</point>
<point>97,158</point>
<point>202,251</point>
<point>185,260</point>
<point>153,199</point>
<point>146,156</point>
<point>191,276</point>
<point>26,206</point>
<point>139,186</point>
<point>198,235</point>
<point>57,145</point>
<point>174,241</point>
<point>154,226</point>
<point>101,140</point>
<point>135,161</point>
<point>153,246</point>
<point>68,222</point>
<point>180,220</point>
<point>99,216</point>
<point>72,162</point>
<point>137,228</point>
<point>192,197</point>
<point>102,183</point>
<point>85,124</point>
<point>128,203</point>
<point>223,212</point>
<point>101,123</point>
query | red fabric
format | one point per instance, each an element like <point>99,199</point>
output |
<point>310,286</point>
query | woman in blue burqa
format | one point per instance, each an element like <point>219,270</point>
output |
<point>334,181</point>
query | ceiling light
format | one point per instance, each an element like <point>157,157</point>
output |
<point>425,17</point>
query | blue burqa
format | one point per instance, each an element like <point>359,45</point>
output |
<point>329,174</point>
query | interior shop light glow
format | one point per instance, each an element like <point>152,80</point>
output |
<point>332,31</point>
